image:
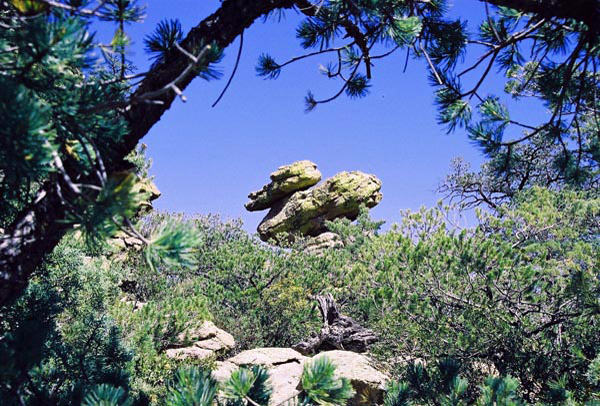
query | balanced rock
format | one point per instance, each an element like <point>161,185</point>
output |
<point>284,181</point>
<point>305,212</point>
<point>207,340</point>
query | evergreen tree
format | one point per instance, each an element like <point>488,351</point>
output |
<point>69,123</point>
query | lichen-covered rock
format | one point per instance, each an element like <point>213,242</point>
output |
<point>284,181</point>
<point>368,382</point>
<point>305,212</point>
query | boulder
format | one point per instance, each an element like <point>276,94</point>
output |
<point>207,340</point>
<point>269,357</point>
<point>285,368</point>
<point>189,352</point>
<point>284,181</point>
<point>368,382</point>
<point>323,242</point>
<point>305,212</point>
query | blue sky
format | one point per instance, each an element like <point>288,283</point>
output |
<point>207,160</point>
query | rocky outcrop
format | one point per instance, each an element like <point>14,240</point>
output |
<point>122,240</point>
<point>206,341</point>
<point>304,212</point>
<point>284,181</point>
<point>285,368</point>
<point>323,242</point>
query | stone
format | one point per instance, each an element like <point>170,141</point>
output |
<point>284,366</point>
<point>208,335</point>
<point>305,212</point>
<point>323,242</point>
<point>285,381</point>
<point>189,352</point>
<point>208,340</point>
<point>148,187</point>
<point>269,357</point>
<point>223,370</point>
<point>284,181</point>
<point>368,382</point>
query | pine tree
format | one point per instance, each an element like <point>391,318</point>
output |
<point>70,123</point>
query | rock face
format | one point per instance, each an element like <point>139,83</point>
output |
<point>296,209</point>
<point>207,340</point>
<point>284,181</point>
<point>286,365</point>
<point>305,212</point>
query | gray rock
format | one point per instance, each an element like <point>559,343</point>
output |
<point>207,340</point>
<point>368,382</point>
<point>323,242</point>
<point>269,357</point>
<point>284,181</point>
<point>285,368</point>
<point>305,212</point>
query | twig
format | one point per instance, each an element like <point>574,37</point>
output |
<point>237,62</point>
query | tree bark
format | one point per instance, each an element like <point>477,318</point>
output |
<point>338,332</point>
<point>585,11</point>
<point>38,229</point>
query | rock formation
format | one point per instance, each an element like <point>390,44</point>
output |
<point>285,365</point>
<point>295,210</point>
<point>323,242</point>
<point>284,181</point>
<point>206,341</point>
<point>285,369</point>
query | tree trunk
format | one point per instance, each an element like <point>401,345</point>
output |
<point>37,229</point>
<point>338,332</point>
<point>585,11</point>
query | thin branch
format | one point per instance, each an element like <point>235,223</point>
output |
<point>237,62</point>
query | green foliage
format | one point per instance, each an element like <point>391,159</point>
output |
<point>267,67</point>
<point>103,217</point>
<point>191,386</point>
<point>248,383</point>
<point>106,395</point>
<point>541,56</point>
<point>174,245</point>
<point>57,340</point>
<point>152,327</point>
<point>162,42</point>
<point>320,387</point>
